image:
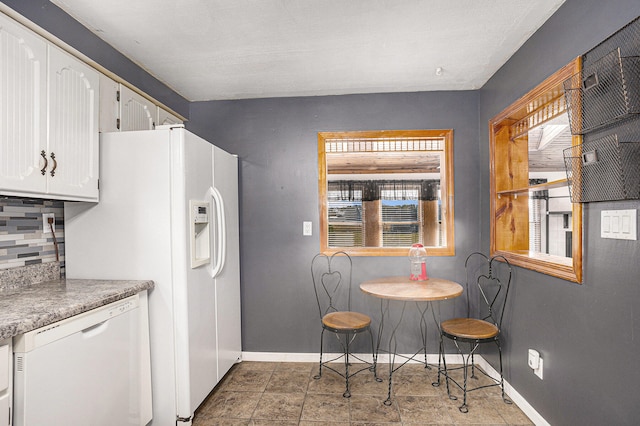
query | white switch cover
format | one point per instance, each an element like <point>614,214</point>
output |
<point>306,228</point>
<point>619,224</point>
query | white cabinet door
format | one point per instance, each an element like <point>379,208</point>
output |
<point>136,111</point>
<point>23,111</point>
<point>73,127</point>
<point>109,105</point>
<point>123,109</point>
<point>48,119</point>
<point>165,117</point>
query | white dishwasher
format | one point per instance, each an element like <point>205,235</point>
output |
<point>90,369</point>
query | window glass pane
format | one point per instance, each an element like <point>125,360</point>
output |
<point>537,208</point>
<point>345,219</point>
<point>397,235</point>
<point>401,227</point>
<point>400,210</point>
<point>400,219</point>
<point>344,235</point>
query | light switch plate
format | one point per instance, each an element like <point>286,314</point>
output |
<point>619,224</point>
<point>306,228</point>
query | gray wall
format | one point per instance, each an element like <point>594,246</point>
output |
<point>585,333</point>
<point>276,140</point>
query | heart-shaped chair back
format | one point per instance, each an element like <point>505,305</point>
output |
<point>492,279</point>
<point>332,282</point>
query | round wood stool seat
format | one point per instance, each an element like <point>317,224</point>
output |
<point>346,321</point>
<point>470,328</point>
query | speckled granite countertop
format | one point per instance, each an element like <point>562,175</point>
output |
<point>32,306</point>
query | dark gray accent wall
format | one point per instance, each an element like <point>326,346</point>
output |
<point>586,334</point>
<point>57,22</point>
<point>276,141</point>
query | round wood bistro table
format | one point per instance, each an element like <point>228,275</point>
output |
<point>401,288</point>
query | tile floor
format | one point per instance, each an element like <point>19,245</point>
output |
<point>271,393</point>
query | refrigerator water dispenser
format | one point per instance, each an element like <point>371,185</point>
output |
<point>199,233</point>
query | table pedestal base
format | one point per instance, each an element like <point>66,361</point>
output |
<point>392,350</point>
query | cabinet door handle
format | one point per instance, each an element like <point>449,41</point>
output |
<point>46,163</point>
<point>55,164</point>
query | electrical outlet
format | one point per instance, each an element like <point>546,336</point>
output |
<point>46,228</point>
<point>538,371</point>
<point>535,362</point>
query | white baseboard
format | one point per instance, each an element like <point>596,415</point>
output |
<point>518,399</point>
<point>280,357</point>
<point>315,357</point>
<point>526,408</point>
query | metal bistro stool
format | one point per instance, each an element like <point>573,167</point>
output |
<point>493,278</point>
<point>332,285</point>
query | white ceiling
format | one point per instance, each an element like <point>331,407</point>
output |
<point>234,49</point>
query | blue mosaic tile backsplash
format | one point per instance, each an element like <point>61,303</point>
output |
<point>22,240</point>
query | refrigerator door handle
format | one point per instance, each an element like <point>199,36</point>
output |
<point>220,233</point>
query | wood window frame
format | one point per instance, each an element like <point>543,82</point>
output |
<point>510,184</point>
<point>447,191</point>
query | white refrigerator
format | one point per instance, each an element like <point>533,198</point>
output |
<point>168,211</point>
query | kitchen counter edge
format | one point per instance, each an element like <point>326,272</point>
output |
<point>37,305</point>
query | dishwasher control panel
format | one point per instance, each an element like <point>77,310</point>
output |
<point>123,307</point>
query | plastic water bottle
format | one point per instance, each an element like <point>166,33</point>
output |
<point>418,259</point>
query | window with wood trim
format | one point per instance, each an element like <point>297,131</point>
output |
<point>533,222</point>
<point>382,191</point>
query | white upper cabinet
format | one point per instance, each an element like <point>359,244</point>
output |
<point>109,104</point>
<point>136,111</point>
<point>165,117</point>
<point>123,109</point>
<point>39,85</point>
<point>73,126</point>
<point>23,111</point>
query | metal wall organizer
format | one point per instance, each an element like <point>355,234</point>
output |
<point>604,92</point>
<point>603,103</point>
<point>603,170</point>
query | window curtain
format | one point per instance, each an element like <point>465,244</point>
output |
<point>372,190</point>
